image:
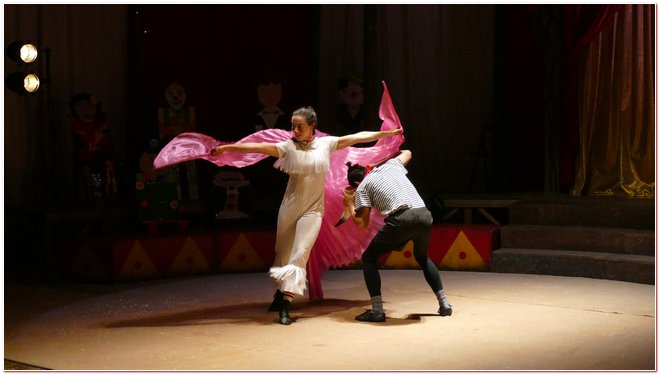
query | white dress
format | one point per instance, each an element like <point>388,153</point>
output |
<point>301,211</point>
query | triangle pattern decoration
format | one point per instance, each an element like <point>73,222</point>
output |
<point>138,265</point>
<point>403,259</point>
<point>242,257</point>
<point>463,255</point>
<point>86,265</point>
<point>190,260</point>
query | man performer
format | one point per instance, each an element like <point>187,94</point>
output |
<point>388,189</point>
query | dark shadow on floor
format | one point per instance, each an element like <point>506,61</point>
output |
<point>247,313</point>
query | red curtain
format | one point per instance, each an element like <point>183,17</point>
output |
<point>616,101</point>
<point>581,24</point>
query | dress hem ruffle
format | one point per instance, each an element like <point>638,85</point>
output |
<point>293,278</point>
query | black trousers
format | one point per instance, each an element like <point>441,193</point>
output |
<point>412,224</point>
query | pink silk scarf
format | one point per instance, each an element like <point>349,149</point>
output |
<point>335,246</point>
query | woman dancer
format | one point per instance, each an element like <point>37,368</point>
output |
<point>306,159</point>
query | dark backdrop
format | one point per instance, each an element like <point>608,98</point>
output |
<point>128,54</point>
<point>518,101</point>
<point>220,53</point>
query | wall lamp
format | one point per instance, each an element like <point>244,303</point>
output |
<point>26,81</point>
<point>22,52</point>
<point>23,83</point>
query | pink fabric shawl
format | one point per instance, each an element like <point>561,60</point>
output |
<point>335,246</point>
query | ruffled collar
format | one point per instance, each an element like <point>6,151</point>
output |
<point>305,145</point>
<point>304,142</point>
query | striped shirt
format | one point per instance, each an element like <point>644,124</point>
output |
<point>388,189</point>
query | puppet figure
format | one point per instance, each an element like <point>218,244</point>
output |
<point>176,118</point>
<point>270,116</point>
<point>156,189</point>
<point>268,183</point>
<point>350,118</point>
<point>93,147</point>
<point>230,180</point>
<point>172,121</point>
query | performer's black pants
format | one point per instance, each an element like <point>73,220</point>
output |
<point>412,224</point>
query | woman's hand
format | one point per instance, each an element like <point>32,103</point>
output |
<point>394,131</point>
<point>216,150</point>
<point>349,196</point>
<point>349,201</point>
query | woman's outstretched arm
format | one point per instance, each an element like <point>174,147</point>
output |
<point>365,137</point>
<point>269,149</point>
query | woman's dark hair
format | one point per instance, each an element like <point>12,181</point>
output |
<point>355,174</point>
<point>308,113</point>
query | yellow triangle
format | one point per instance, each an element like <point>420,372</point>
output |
<point>242,257</point>
<point>190,260</point>
<point>403,259</point>
<point>462,255</point>
<point>87,266</point>
<point>137,265</point>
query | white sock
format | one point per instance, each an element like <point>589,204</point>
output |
<point>377,304</point>
<point>442,299</point>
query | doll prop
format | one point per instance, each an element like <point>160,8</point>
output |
<point>350,117</point>
<point>174,119</point>
<point>156,190</point>
<point>231,181</point>
<point>270,116</point>
<point>94,147</point>
<point>334,246</point>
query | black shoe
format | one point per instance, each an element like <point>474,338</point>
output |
<point>445,311</point>
<point>371,316</point>
<point>276,305</point>
<point>284,313</point>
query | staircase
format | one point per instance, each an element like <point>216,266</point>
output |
<point>595,237</point>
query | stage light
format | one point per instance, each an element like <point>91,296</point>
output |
<point>31,83</point>
<point>26,80</point>
<point>22,52</point>
<point>23,83</point>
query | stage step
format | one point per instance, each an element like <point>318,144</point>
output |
<point>597,265</point>
<point>585,211</point>
<point>579,238</point>
<point>596,237</point>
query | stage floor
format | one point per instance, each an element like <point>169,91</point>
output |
<point>220,322</point>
